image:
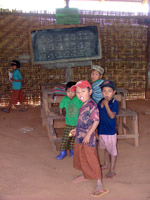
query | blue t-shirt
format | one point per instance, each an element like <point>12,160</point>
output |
<point>107,126</point>
<point>17,76</point>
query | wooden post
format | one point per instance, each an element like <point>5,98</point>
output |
<point>51,134</point>
<point>147,92</point>
<point>67,4</point>
<point>68,74</point>
<point>135,127</point>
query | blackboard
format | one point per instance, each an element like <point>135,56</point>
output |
<point>67,44</point>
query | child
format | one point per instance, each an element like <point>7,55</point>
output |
<point>17,94</point>
<point>96,77</point>
<point>85,151</point>
<point>108,109</point>
<point>71,104</point>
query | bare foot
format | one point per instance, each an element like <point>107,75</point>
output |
<point>110,175</point>
<point>104,167</point>
<point>79,178</point>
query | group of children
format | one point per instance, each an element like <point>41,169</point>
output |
<point>90,115</point>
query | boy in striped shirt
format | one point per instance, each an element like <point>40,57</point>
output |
<point>96,77</point>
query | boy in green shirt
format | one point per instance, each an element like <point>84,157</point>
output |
<point>71,104</point>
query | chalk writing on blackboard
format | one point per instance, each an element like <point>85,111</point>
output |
<point>66,44</point>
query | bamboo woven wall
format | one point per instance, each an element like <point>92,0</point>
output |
<point>124,56</point>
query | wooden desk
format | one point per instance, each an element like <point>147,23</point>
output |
<point>125,129</point>
<point>132,129</point>
<point>122,94</point>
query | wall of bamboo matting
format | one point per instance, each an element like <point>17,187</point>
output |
<point>124,57</point>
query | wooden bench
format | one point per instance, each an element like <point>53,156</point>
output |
<point>49,103</point>
<point>52,120</point>
<point>53,124</point>
<point>50,114</point>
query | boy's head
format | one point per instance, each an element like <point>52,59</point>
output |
<point>69,93</point>
<point>83,90</point>
<point>108,89</point>
<point>15,63</point>
<point>97,72</point>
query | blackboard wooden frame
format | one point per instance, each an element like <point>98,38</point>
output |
<point>33,47</point>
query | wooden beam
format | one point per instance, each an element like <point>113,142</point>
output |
<point>139,1</point>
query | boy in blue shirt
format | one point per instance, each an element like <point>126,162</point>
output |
<point>17,94</point>
<point>108,109</point>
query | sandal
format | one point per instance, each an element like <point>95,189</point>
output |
<point>99,193</point>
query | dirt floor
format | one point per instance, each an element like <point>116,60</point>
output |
<point>29,169</point>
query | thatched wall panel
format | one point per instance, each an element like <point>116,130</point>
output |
<point>124,56</point>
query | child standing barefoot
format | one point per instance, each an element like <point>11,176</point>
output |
<point>108,109</point>
<point>85,152</point>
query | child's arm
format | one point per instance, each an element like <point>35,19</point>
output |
<point>88,135</point>
<point>110,113</point>
<point>17,77</point>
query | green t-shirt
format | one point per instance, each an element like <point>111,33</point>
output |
<point>72,107</point>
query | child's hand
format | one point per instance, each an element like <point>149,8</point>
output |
<point>86,139</point>
<point>105,102</point>
<point>10,75</point>
<point>97,137</point>
<point>72,133</point>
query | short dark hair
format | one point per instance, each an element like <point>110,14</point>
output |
<point>15,63</point>
<point>70,84</point>
<point>88,89</point>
